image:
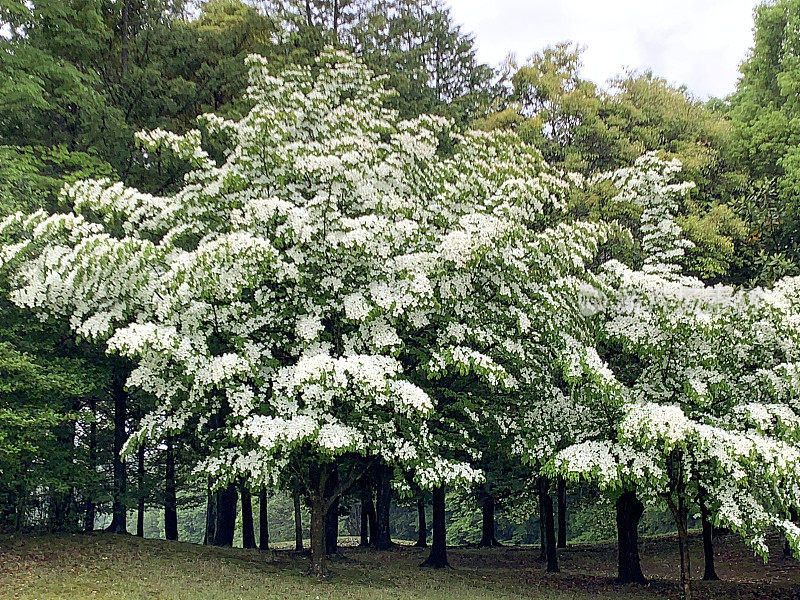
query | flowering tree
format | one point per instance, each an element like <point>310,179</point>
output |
<point>308,297</point>
<point>706,404</point>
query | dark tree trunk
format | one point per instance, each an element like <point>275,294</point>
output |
<point>170,495</point>
<point>119,517</point>
<point>226,516</point>
<point>680,512</point>
<point>211,517</point>
<point>629,512</point>
<point>542,533</point>
<point>336,20</point>
<point>319,567</point>
<point>332,528</point>
<point>683,547</point>
<point>561,495</point>
<point>332,517</point>
<point>298,523</point>
<point>263,520</point>
<point>366,497</point>
<point>372,518</point>
<point>422,525</point>
<point>546,502</point>
<point>248,533</point>
<point>90,508</point>
<point>140,492</point>
<point>319,510</point>
<point>709,572</point>
<point>437,559</point>
<point>488,538</point>
<point>383,539</point>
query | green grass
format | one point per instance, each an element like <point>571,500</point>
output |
<point>73,567</point>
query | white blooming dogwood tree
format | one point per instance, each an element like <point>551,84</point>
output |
<point>705,396</point>
<point>302,299</point>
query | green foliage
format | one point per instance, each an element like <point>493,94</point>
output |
<point>32,176</point>
<point>715,234</point>
<point>765,111</point>
<point>430,62</point>
<point>581,128</point>
<point>40,385</point>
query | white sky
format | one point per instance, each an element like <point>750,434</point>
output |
<point>699,43</point>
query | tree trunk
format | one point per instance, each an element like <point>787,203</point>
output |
<point>422,526</point>
<point>680,512</point>
<point>437,559</point>
<point>170,495</point>
<point>383,539</point>
<point>319,511</point>
<point>542,534</point>
<point>141,491</point>
<point>248,533</point>
<point>546,502</point>
<point>372,518</point>
<point>298,523</point>
<point>561,495</point>
<point>226,516</point>
<point>119,518</point>
<point>319,567</point>
<point>211,517</point>
<point>90,508</point>
<point>629,512</point>
<point>709,572</point>
<point>336,20</point>
<point>263,520</point>
<point>332,517</point>
<point>366,497</point>
<point>332,528</point>
<point>488,538</point>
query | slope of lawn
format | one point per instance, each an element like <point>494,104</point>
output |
<point>72,567</point>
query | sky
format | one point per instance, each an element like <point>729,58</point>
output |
<point>697,43</point>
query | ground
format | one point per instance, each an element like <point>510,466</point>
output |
<point>72,567</point>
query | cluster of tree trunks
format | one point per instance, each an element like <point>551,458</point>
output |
<point>221,516</point>
<point>375,495</point>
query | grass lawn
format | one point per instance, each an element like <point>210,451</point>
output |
<point>78,567</point>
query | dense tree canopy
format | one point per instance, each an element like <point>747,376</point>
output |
<point>317,249</point>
